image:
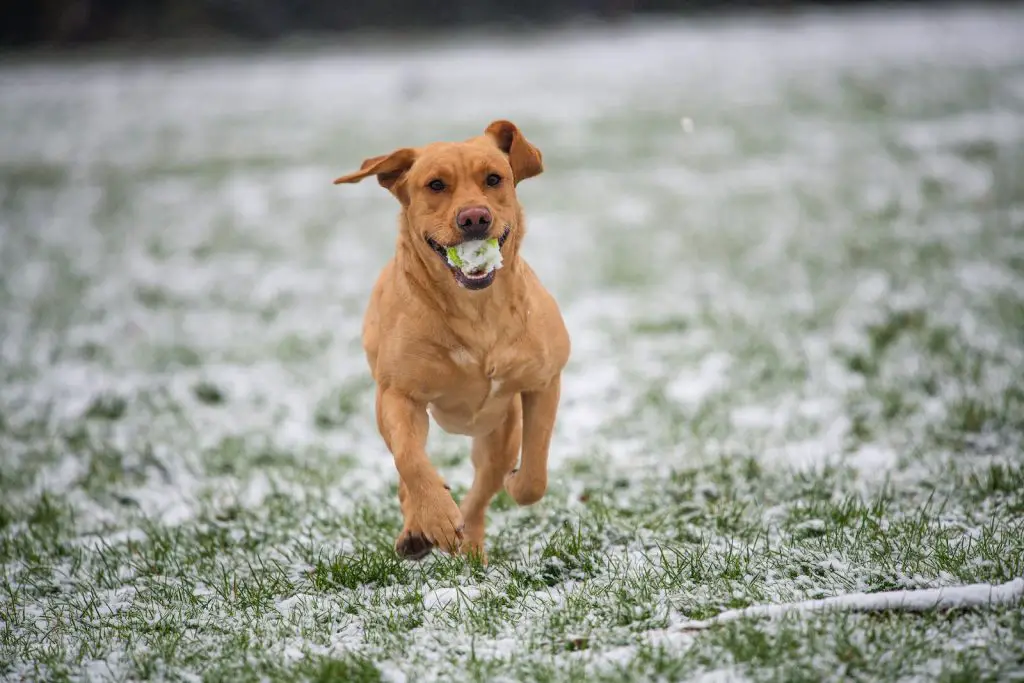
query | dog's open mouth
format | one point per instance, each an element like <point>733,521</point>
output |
<point>478,269</point>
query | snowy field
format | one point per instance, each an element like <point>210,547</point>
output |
<point>797,373</point>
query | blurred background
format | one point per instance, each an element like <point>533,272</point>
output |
<point>64,22</point>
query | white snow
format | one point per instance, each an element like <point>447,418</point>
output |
<point>691,388</point>
<point>443,597</point>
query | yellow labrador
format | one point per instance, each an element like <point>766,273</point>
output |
<point>482,353</point>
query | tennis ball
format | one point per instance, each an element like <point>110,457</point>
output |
<point>475,254</point>
<point>453,257</point>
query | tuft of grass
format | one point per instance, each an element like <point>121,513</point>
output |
<point>668,325</point>
<point>897,324</point>
<point>174,356</point>
<point>209,393</point>
<point>380,567</point>
<point>107,407</point>
<point>336,409</point>
<point>352,668</point>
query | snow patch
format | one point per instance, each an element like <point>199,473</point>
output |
<point>443,597</point>
<point>692,388</point>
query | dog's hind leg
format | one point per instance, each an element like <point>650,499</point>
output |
<point>528,484</point>
<point>494,455</point>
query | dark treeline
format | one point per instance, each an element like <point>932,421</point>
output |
<point>26,23</point>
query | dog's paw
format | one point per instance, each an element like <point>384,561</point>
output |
<point>526,489</point>
<point>436,521</point>
<point>412,546</point>
<point>473,542</point>
<point>474,551</point>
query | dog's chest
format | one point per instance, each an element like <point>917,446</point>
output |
<point>477,374</point>
<point>477,371</point>
<point>472,395</point>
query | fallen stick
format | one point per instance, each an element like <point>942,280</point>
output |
<point>924,600</point>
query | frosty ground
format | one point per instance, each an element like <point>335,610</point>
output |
<point>797,373</point>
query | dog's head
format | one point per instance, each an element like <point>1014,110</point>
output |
<point>453,192</point>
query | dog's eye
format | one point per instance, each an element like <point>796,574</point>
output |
<point>436,185</point>
<point>493,179</point>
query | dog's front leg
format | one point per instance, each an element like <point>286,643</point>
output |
<point>431,516</point>
<point>528,484</point>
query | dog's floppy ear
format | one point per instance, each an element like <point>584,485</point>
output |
<point>525,159</point>
<point>389,168</point>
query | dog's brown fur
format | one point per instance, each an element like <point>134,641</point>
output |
<point>484,363</point>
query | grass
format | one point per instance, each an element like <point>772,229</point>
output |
<point>590,577</point>
<point>796,374</point>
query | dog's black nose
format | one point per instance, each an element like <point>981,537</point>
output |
<point>474,221</point>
